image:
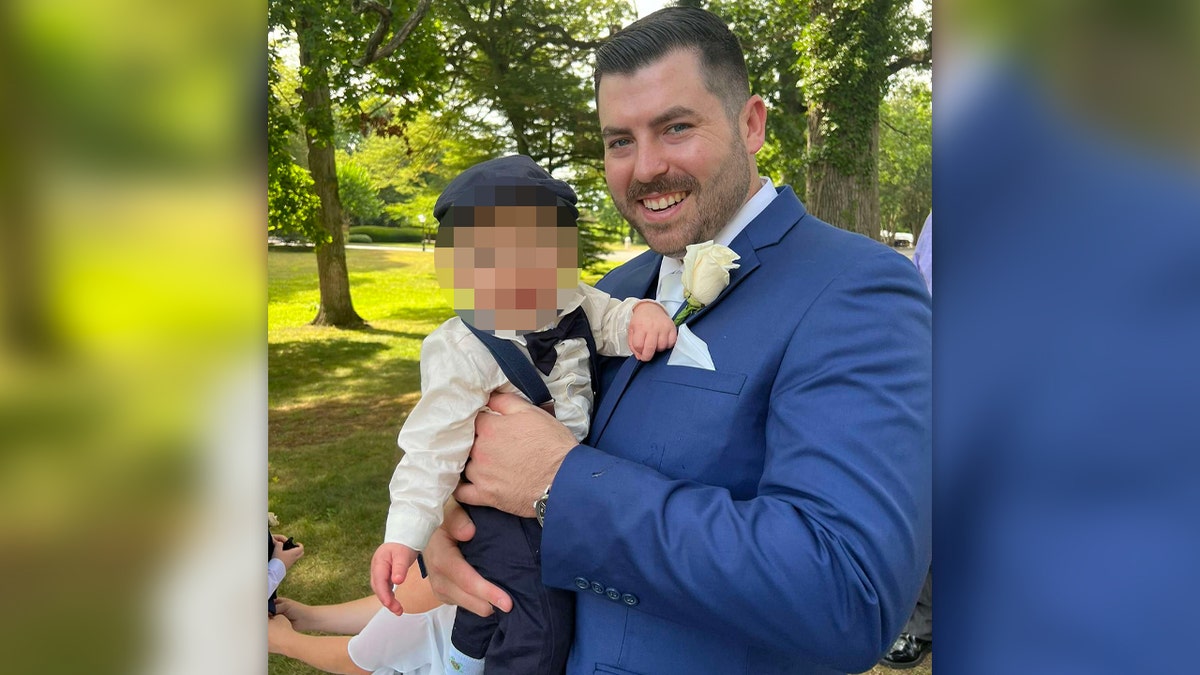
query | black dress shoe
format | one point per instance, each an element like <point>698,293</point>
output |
<point>908,651</point>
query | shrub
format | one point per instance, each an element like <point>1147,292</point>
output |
<point>391,235</point>
<point>359,239</point>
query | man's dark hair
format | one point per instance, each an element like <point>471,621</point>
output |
<point>680,28</point>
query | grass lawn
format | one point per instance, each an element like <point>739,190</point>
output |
<point>336,401</point>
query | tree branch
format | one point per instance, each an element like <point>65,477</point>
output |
<point>563,37</point>
<point>921,58</point>
<point>888,125</point>
<point>374,52</point>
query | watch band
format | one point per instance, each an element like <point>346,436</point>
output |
<point>539,507</point>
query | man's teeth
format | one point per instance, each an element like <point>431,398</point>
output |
<point>660,203</point>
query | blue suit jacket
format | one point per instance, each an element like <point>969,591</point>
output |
<point>773,515</point>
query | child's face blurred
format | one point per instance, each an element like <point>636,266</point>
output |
<point>513,270</point>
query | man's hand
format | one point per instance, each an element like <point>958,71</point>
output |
<point>452,578</point>
<point>390,566</point>
<point>517,451</point>
<point>650,330</point>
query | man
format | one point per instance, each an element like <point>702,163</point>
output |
<point>771,515</point>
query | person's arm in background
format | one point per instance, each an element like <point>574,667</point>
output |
<point>280,562</point>
<point>286,631</point>
<point>923,253</point>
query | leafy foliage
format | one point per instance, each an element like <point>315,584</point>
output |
<point>357,192</point>
<point>906,157</point>
<point>846,49</point>
<point>291,203</point>
<point>769,31</point>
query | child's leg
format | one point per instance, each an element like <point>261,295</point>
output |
<point>536,635</point>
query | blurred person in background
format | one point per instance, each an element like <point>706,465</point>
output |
<point>1065,154</point>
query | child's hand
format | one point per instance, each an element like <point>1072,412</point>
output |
<point>650,330</point>
<point>390,566</point>
<point>289,556</point>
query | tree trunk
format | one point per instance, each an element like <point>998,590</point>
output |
<point>336,307</point>
<point>849,201</point>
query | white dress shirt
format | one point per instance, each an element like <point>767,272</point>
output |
<point>276,571</point>
<point>458,375</point>
<point>670,291</point>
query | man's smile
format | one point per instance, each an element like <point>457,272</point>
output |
<point>663,202</point>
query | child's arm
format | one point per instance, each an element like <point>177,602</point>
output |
<point>458,375</point>
<point>650,330</point>
<point>615,323</point>
<point>390,566</point>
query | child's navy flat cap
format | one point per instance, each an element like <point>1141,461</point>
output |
<point>515,180</point>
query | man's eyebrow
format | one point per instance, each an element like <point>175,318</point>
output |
<point>674,112</point>
<point>671,113</point>
<point>613,131</point>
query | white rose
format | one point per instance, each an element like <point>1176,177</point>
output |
<point>706,272</point>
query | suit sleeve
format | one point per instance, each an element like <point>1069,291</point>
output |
<point>826,560</point>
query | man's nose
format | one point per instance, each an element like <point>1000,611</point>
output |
<point>651,163</point>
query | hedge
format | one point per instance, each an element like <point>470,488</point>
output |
<point>391,235</point>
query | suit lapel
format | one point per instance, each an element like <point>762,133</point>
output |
<point>765,230</point>
<point>641,282</point>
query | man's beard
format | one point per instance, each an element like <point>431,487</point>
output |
<point>715,204</point>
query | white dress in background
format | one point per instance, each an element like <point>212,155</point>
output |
<point>411,644</point>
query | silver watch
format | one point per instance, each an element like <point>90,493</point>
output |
<point>539,506</point>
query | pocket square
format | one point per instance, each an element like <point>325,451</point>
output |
<point>690,351</point>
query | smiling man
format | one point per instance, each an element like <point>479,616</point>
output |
<point>770,514</point>
<point>677,173</point>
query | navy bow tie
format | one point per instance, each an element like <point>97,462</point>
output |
<point>541,344</point>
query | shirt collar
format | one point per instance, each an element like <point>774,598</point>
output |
<point>749,211</point>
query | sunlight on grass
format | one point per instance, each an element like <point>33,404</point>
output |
<point>336,401</point>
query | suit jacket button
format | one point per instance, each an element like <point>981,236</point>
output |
<point>612,593</point>
<point>581,583</point>
<point>597,588</point>
<point>629,599</point>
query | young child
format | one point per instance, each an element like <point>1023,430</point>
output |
<point>507,250</point>
<point>282,553</point>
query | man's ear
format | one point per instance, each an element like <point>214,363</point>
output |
<point>753,123</point>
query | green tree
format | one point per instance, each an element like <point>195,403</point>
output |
<point>520,84</point>
<point>358,195</point>
<point>848,50</point>
<point>906,157</point>
<point>768,31</point>
<point>411,162</point>
<point>528,62</point>
<point>346,48</point>
<point>291,202</point>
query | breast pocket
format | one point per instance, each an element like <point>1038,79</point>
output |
<point>712,380</point>
<point>702,435</point>
<point>602,669</point>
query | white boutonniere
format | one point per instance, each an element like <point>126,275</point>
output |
<point>705,274</point>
